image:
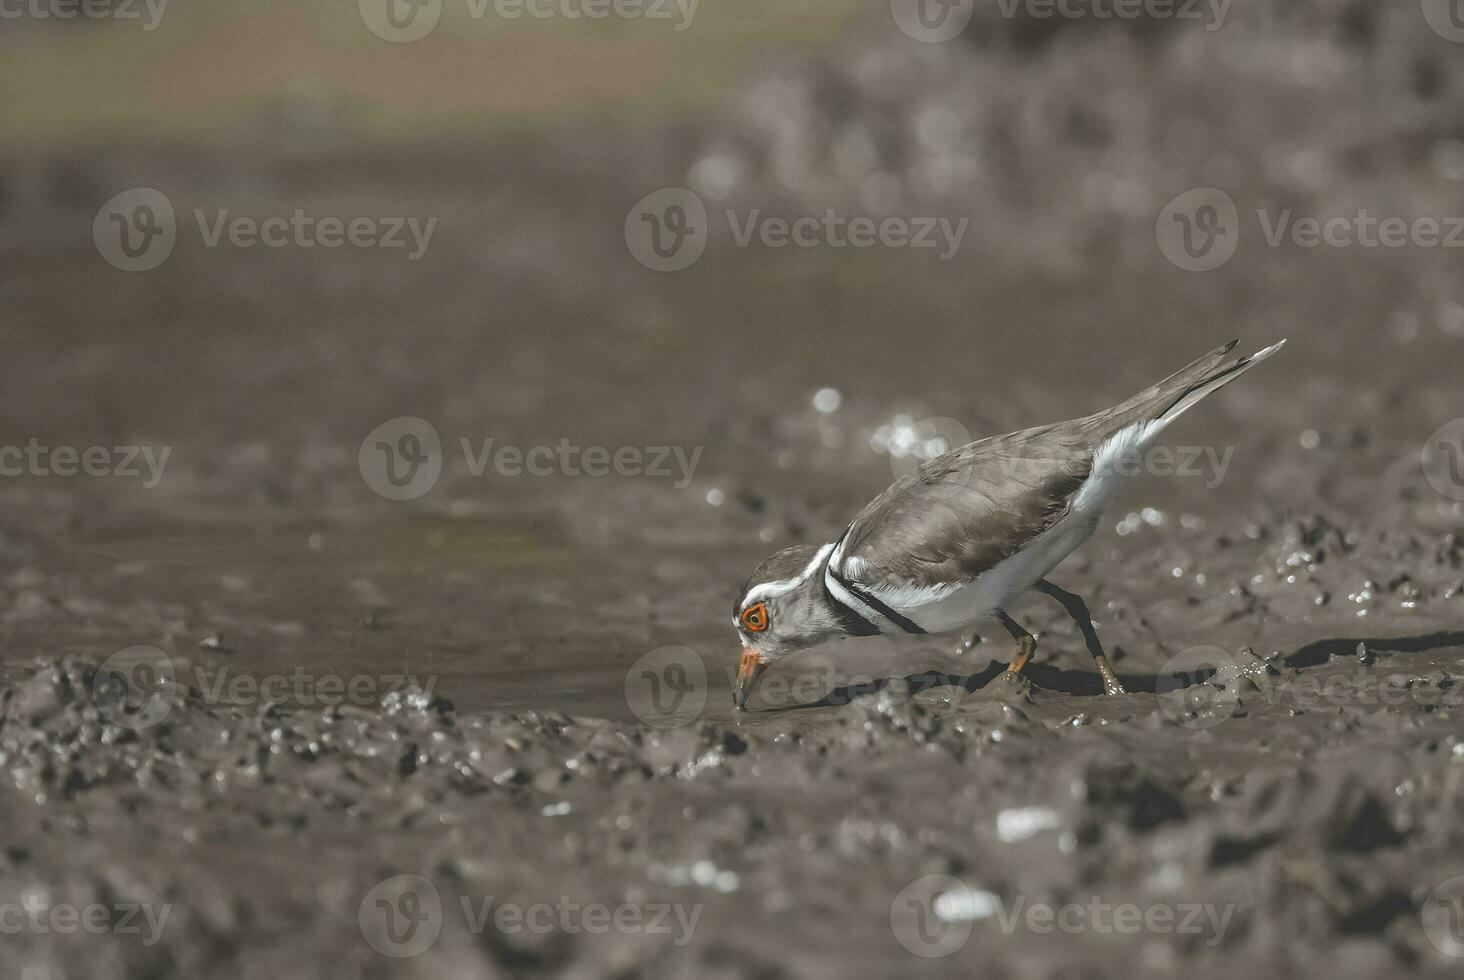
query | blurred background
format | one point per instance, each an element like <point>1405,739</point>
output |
<point>1046,156</point>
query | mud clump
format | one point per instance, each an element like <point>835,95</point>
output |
<point>227,824</point>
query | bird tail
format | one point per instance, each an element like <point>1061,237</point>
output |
<point>1181,391</point>
<point>1214,381</point>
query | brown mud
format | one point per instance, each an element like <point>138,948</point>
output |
<point>515,688</point>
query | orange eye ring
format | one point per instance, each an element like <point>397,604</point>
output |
<point>755,617</point>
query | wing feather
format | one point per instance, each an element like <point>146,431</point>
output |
<point>966,510</point>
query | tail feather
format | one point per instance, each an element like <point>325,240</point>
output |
<point>1213,382</point>
<point>1136,423</point>
<point>1176,394</point>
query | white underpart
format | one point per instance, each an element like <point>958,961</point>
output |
<point>1113,462</point>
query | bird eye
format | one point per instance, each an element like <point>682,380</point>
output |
<point>755,617</point>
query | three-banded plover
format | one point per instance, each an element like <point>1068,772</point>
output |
<point>957,540</point>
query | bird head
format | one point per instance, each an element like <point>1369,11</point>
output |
<point>784,607</point>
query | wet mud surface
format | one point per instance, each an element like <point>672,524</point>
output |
<point>487,731</point>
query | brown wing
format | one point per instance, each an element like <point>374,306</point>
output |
<point>966,510</point>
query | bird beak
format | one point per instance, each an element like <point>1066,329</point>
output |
<point>748,672</point>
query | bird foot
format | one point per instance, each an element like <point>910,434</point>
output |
<point>1111,684</point>
<point>1009,684</point>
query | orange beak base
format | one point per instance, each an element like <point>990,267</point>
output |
<point>748,671</point>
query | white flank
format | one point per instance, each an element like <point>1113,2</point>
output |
<point>1110,462</point>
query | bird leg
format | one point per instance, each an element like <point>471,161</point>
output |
<point>1078,610</point>
<point>1026,643</point>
